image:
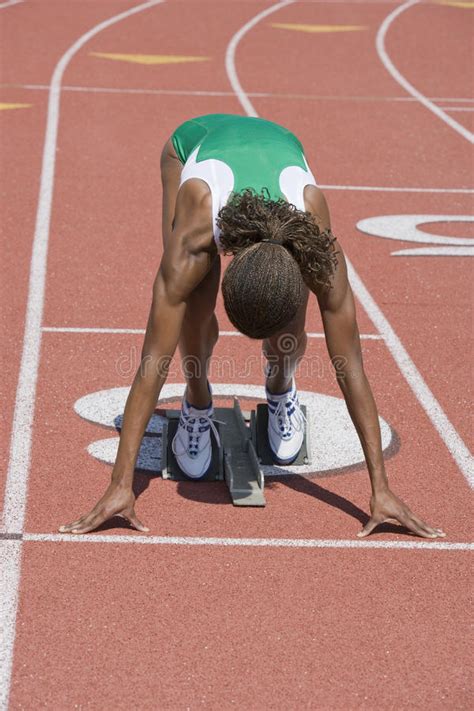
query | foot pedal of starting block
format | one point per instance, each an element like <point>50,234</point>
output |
<point>262,446</point>
<point>241,469</point>
<point>170,467</point>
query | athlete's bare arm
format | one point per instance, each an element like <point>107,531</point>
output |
<point>343,342</point>
<point>171,168</point>
<point>186,260</point>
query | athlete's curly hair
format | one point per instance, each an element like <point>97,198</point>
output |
<point>264,284</point>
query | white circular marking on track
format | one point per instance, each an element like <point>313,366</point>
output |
<point>333,439</point>
<point>406,228</point>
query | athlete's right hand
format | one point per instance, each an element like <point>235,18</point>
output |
<point>116,501</point>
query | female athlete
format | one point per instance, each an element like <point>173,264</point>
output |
<point>242,186</point>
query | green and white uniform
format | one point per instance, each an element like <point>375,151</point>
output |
<point>232,153</point>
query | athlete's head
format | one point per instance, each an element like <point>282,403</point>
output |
<point>264,283</point>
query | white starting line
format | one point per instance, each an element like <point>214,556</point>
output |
<point>245,542</point>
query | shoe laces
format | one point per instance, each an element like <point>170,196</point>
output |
<point>288,423</point>
<point>196,426</point>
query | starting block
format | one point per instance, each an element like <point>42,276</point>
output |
<point>238,460</point>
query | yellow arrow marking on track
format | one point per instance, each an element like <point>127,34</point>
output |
<point>456,3</point>
<point>318,28</point>
<point>150,58</point>
<point>5,107</point>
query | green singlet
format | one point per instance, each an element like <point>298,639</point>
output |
<point>232,153</point>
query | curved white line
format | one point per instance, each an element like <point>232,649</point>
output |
<point>9,3</point>
<point>400,79</point>
<point>230,56</point>
<point>20,445</point>
<point>408,369</point>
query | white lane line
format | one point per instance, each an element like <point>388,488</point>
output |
<point>252,94</point>
<point>246,542</point>
<point>436,251</point>
<point>403,82</point>
<point>230,55</point>
<point>364,336</point>
<point>71,329</point>
<point>457,108</point>
<point>412,375</point>
<point>10,567</point>
<point>16,487</point>
<point>9,3</point>
<point>20,445</point>
<point>415,380</point>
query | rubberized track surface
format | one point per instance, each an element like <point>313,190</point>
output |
<point>220,607</point>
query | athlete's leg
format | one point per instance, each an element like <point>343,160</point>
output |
<point>285,417</point>
<point>199,335</point>
<point>192,443</point>
<point>284,350</point>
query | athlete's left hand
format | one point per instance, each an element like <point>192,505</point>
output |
<point>386,506</point>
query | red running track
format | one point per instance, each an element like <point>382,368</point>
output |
<point>111,625</point>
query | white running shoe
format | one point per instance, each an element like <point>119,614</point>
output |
<point>286,424</point>
<point>192,444</point>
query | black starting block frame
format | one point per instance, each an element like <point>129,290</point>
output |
<point>244,448</point>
